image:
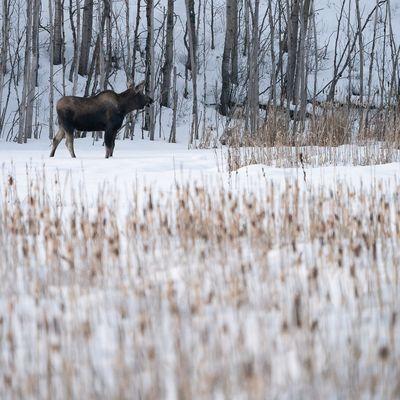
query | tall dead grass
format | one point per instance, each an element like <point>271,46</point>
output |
<point>332,135</point>
<point>200,293</point>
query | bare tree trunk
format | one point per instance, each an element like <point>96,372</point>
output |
<point>58,42</point>
<point>128,62</point>
<point>225,100</point>
<point>282,50</point>
<point>204,70</point>
<point>169,50</point>
<point>372,60</point>
<point>136,40</point>
<point>212,26</point>
<point>51,73</point>
<point>253,91</point>
<point>246,41</point>
<point>108,54</point>
<point>300,92</point>
<point>273,74</point>
<point>87,28</point>
<point>361,53</point>
<point>73,77</point>
<point>27,68</point>
<point>150,68</point>
<point>129,127</point>
<point>316,60</point>
<point>92,67</point>
<point>5,34</point>
<point>172,136</point>
<point>193,66</point>
<point>33,69</point>
<point>349,57</point>
<point>293,29</point>
<point>336,65</point>
<point>101,61</point>
<point>191,28</point>
<point>235,46</point>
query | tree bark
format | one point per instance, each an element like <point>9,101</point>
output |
<point>293,29</point>
<point>58,42</point>
<point>235,46</point>
<point>51,75</point>
<point>150,68</point>
<point>253,91</point>
<point>225,100</point>
<point>193,66</point>
<point>169,50</point>
<point>5,34</point>
<point>87,29</point>
<point>33,73</point>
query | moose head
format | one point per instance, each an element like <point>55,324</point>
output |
<point>137,98</point>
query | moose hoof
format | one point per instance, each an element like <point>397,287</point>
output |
<point>108,153</point>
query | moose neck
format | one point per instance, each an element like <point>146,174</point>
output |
<point>127,101</point>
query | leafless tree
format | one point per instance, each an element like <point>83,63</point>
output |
<point>169,50</point>
<point>87,28</point>
<point>58,22</point>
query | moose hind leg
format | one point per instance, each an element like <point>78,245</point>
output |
<point>113,146</point>
<point>69,142</point>
<point>56,141</point>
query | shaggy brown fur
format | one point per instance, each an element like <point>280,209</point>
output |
<point>103,112</point>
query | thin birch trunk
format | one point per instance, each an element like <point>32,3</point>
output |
<point>33,73</point>
<point>58,42</point>
<point>51,74</point>
<point>150,68</point>
<point>194,133</point>
<point>87,28</point>
<point>253,93</point>
<point>5,34</point>
<point>169,47</point>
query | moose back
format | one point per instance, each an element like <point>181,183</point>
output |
<point>103,112</point>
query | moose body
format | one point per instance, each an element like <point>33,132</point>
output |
<point>103,112</point>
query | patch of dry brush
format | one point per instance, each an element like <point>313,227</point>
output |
<point>331,135</point>
<point>199,293</point>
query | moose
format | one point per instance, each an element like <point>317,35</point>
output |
<point>103,112</point>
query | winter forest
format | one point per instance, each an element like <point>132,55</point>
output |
<point>243,239</point>
<point>263,64</point>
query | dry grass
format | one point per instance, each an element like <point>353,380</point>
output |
<point>311,156</point>
<point>200,293</point>
<point>334,135</point>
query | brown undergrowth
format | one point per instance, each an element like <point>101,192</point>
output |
<point>200,293</point>
<point>333,135</point>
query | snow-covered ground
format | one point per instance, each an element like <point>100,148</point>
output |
<point>161,165</point>
<point>327,15</point>
<point>159,274</point>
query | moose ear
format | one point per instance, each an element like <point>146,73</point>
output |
<point>140,87</point>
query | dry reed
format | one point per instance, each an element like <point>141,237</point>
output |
<point>200,293</point>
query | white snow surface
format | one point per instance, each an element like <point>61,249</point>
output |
<point>161,165</point>
<point>327,13</point>
<point>95,329</point>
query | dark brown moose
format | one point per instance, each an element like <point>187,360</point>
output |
<point>103,112</point>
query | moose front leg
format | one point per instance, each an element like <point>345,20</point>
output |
<point>109,141</point>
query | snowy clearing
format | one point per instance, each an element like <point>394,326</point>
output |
<point>158,274</point>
